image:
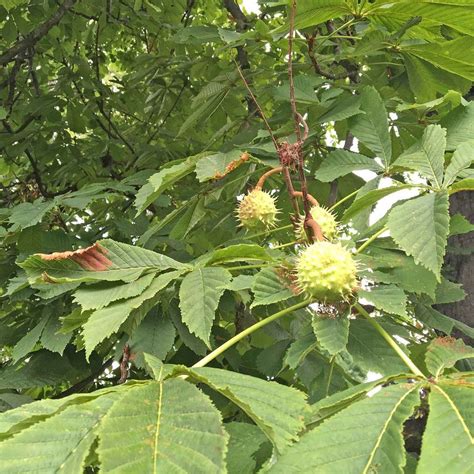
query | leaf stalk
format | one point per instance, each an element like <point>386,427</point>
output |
<point>409,363</point>
<point>246,332</point>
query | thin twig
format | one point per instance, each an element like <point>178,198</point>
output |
<point>260,111</point>
<point>296,116</point>
<point>32,38</point>
<point>264,176</point>
<point>309,222</point>
<point>34,165</point>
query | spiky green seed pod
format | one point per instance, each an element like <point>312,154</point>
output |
<point>257,209</point>
<point>324,218</point>
<point>326,271</point>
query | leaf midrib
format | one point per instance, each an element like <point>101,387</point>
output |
<point>158,421</point>
<point>456,411</point>
<point>384,429</point>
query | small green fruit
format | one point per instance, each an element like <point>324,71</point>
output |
<point>257,209</point>
<point>326,271</point>
<point>324,218</point>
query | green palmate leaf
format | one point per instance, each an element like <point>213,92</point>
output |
<point>328,406</point>
<point>72,321</point>
<point>389,298</point>
<point>237,253</point>
<point>155,335</point>
<point>199,297</point>
<point>463,185</point>
<point>156,368</point>
<point>241,282</point>
<point>9,401</point>
<point>304,90</point>
<point>427,157</point>
<point>450,99</point>
<point>81,198</point>
<point>437,320</point>
<point>370,198</point>
<point>341,162</point>
<point>371,127</point>
<point>34,239</point>
<point>102,294</point>
<point>58,444</point>
<point>444,352</point>
<point>343,107</point>
<point>448,292</point>
<point>434,318</point>
<point>364,437</point>
<point>268,288</point>
<point>43,369</point>
<point>454,14</point>
<point>428,82</point>
<point>245,440</point>
<point>453,56</point>
<point>277,409</point>
<point>420,227</point>
<point>332,333</point>
<point>28,214</point>
<point>193,215</point>
<point>188,339</point>
<point>462,159</point>
<point>104,322</point>
<point>47,291</point>
<point>165,426</point>
<point>448,444</point>
<point>51,339</point>
<point>458,224</point>
<point>299,349</point>
<point>155,228</point>
<point>269,361</point>
<point>27,343</point>
<point>370,351</point>
<point>308,14</point>
<point>20,418</point>
<point>460,125</point>
<point>414,278</point>
<point>105,260</point>
<point>163,180</point>
<point>203,110</point>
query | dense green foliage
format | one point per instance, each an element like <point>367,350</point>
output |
<point>141,328</point>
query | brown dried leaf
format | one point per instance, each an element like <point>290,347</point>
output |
<point>91,258</point>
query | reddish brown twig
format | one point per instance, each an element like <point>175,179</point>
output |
<point>290,71</point>
<point>296,149</point>
<point>291,154</point>
<point>311,199</point>
<point>278,147</point>
<point>264,176</point>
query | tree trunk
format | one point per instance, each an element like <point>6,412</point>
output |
<point>460,261</point>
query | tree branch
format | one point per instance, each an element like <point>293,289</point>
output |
<point>34,165</point>
<point>33,37</point>
<point>237,14</point>
<point>242,24</point>
<point>317,67</point>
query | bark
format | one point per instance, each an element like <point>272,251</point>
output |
<point>459,261</point>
